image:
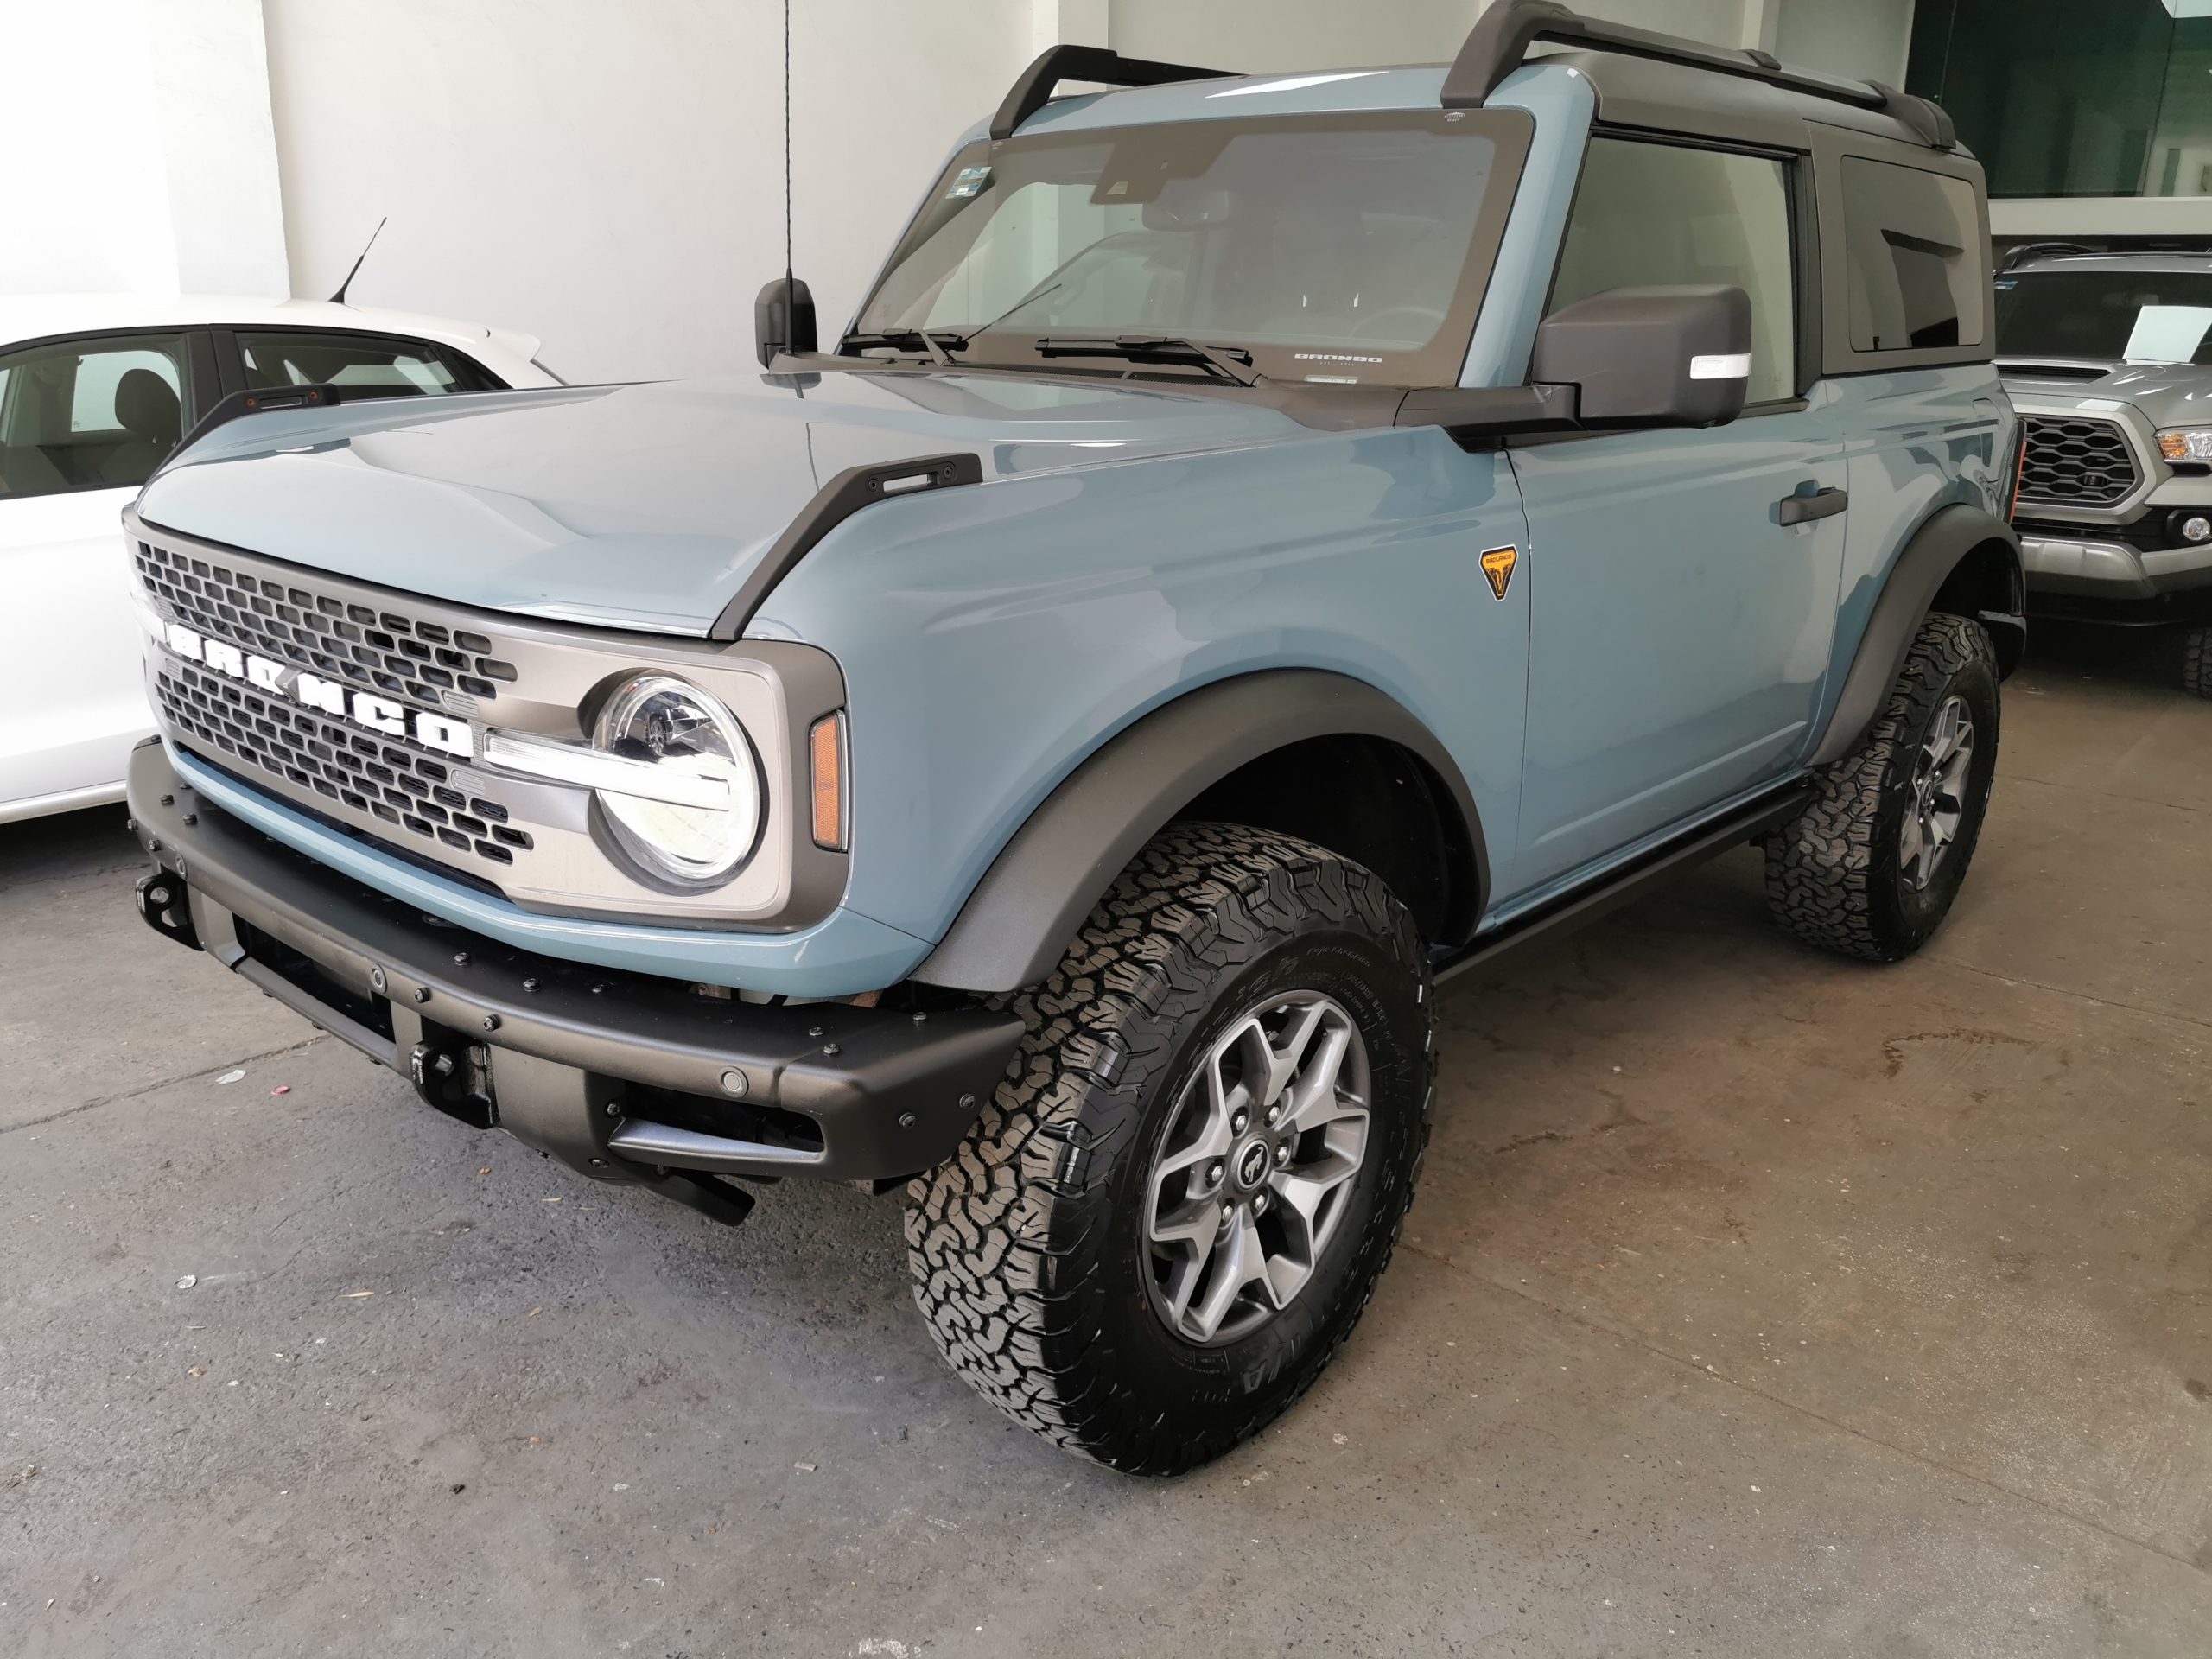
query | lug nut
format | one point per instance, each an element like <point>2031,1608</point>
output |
<point>1237,1123</point>
<point>1228,1210</point>
<point>1282,1155</point>
<point>1259,1203</point>
<point>1214,1173</point>
<point>1273,1112</point>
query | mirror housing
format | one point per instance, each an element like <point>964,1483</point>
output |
<point>1650,356</point>
<point>783,320</point>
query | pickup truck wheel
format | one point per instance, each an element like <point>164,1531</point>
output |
<point>1871,867</point>
<point>2197,662</point>
<point>1175,1207</point>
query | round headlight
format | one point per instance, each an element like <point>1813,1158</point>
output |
<point>704,813</point>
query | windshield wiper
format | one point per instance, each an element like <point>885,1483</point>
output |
<point>939,347</point>
<point>1233,362</point>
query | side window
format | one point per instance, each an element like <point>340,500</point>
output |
<point>367,365</point>
<point>1649,214</point>
<point>90,414</point>
<point>1916,278</point>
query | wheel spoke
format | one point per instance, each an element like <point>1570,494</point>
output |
<point>1912,844</point>
<point>1241,1262</point>
<point>1315,1100</point>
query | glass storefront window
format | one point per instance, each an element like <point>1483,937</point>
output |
<point>2073,97</point>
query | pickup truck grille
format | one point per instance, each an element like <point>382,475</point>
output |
<point>378,650</point>
<point>383,778</point>
<point>2076,460</point>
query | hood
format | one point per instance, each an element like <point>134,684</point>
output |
<point>2167,394</point>
<point>641,506</point>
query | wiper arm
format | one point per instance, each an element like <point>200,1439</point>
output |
<point>1233,362</point>
<point>939,347</point>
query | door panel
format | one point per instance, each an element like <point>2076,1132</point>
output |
<point>1681,629</point>
<point>83,422</point>
<point>1681,635</point>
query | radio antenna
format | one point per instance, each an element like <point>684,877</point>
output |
<point>339,298</point>
<point>787,150</point>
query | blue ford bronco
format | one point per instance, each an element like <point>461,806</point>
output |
<point>1263,545</point>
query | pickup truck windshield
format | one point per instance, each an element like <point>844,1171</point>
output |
<point>2106,316</point>
<point>1330,248</point>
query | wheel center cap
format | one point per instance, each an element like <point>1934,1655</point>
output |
<point>1252,1164</point>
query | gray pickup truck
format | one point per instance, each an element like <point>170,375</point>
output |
<point>2108,359</point>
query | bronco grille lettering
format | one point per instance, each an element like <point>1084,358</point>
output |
<point>446,735</point>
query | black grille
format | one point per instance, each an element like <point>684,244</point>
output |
<point>2076,461</point>
<point>387,779</point>
<point>376,649</point>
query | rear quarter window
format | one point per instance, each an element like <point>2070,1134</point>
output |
<point>1915,277</point>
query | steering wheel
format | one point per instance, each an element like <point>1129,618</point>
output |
<point>1368,326</point>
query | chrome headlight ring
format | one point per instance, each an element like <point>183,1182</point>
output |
<point>675,779</point>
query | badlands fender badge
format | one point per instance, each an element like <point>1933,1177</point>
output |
<point>1497,565</point>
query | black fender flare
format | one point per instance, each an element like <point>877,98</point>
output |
<point>1935,550</point>
<point>1052,874</point>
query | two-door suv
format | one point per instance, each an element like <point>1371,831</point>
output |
<point>1263,544</point>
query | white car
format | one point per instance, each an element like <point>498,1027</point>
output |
<point>95,391</point>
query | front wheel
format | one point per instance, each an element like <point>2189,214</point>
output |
<point>1871,867</point>
<point>2197,662</point>
<point>1176,1206</point>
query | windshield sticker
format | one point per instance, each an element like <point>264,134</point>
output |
<point>967,181</point>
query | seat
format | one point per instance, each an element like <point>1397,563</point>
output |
<point>147,408</point>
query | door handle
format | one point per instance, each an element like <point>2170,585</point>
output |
<point>1803,508</point>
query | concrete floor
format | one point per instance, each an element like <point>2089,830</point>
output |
<point>1753,1303</point>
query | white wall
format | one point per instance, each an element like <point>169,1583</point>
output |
<point>140,152</point>
<point>1862,40</point>
<point>610,177</point>
<point>1264,36</point>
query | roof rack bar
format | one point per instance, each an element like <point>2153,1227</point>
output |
<point>1498,44</point>
<point>1056,64</point>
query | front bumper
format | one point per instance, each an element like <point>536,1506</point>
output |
<point>2101,575</point>
<point>624,1077</point>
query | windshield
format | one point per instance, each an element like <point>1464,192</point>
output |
<point>1331,248</point>
<point>2140,317</point>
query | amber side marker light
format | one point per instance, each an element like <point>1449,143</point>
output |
<point>827,745</point>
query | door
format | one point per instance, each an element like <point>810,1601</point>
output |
<point>83,423</point>
<point>1681,614</point>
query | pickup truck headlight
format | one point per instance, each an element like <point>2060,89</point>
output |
<point>2186,443</point>
<point>698,809</point>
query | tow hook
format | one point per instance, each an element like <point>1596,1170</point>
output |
<point>455,1077</point>
<point>166,904</point>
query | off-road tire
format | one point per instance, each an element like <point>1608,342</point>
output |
<point>1832,876</point>
<point>1025,1246</point>
<point>2197,662</point>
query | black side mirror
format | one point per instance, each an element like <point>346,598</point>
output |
<point>1650,356</point>
<point>783,320</point>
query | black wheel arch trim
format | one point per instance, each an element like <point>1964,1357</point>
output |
<point>1052,874</point>
<point>1941,544</point>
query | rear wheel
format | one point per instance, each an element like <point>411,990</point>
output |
<point>1871,867</point>
<point>1178,1204</point>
